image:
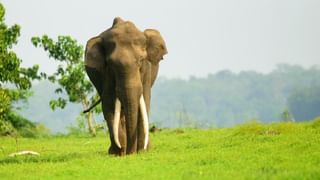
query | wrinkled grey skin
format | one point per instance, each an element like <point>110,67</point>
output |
<point>122,62</point>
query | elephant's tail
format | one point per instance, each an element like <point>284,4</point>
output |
<point>92,106</point>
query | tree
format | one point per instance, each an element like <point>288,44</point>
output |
<point>70,74</point>
<point>12,74</point>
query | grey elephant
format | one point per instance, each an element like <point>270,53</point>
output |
<point>122,63</point>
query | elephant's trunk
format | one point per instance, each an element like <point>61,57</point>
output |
<point>129,92</point>
<point>130,100</point>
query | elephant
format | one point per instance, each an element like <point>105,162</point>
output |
<point>122,63</point>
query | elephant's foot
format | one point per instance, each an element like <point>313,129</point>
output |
<point>114,151</point>
<point>117,151</point>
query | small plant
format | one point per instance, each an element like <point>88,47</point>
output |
<point>286,116</point>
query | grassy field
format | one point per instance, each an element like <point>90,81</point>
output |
<point>250,151</point>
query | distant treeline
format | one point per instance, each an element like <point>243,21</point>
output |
<point>226,98</point>
<point>222,99</point>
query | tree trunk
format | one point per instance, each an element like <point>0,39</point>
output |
<point>90,121</point>
<point>89,118</point>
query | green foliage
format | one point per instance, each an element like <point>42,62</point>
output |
<point>6,128</point>
<point>11,122</point>
<point>19,122</point>
<point>65,49</point>
<point>16,125</point>
<point>249,151</point>
<point>70,73</point>
<point>5,102</point>
<point>9,62</point>
<point>12,73</point>
<point>60,102</point>
<point>10,69</point>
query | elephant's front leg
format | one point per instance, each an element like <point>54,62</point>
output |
<point>108,107</point>
<point>109,117</point>
<point>114,149</point>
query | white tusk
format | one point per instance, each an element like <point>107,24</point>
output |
<point>145,120</point>
<point>116,122</point>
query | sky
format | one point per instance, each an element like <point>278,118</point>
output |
<point>202,36</point>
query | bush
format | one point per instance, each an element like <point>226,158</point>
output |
<point>13,124</point>
<point>6,128</point>
<point>316,123</point>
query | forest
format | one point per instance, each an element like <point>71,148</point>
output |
<point>223,99</point>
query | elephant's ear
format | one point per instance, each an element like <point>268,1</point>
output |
<point>95,62</point>
<point>156,47</point>
<point>94,54</point>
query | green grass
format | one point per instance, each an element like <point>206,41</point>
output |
<point>250,151</point>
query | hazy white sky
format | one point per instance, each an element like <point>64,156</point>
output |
<point>202,36</point>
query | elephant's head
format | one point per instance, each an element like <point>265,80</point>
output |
<point>119,53</point>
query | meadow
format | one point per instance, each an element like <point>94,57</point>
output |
<point>285,150</point>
